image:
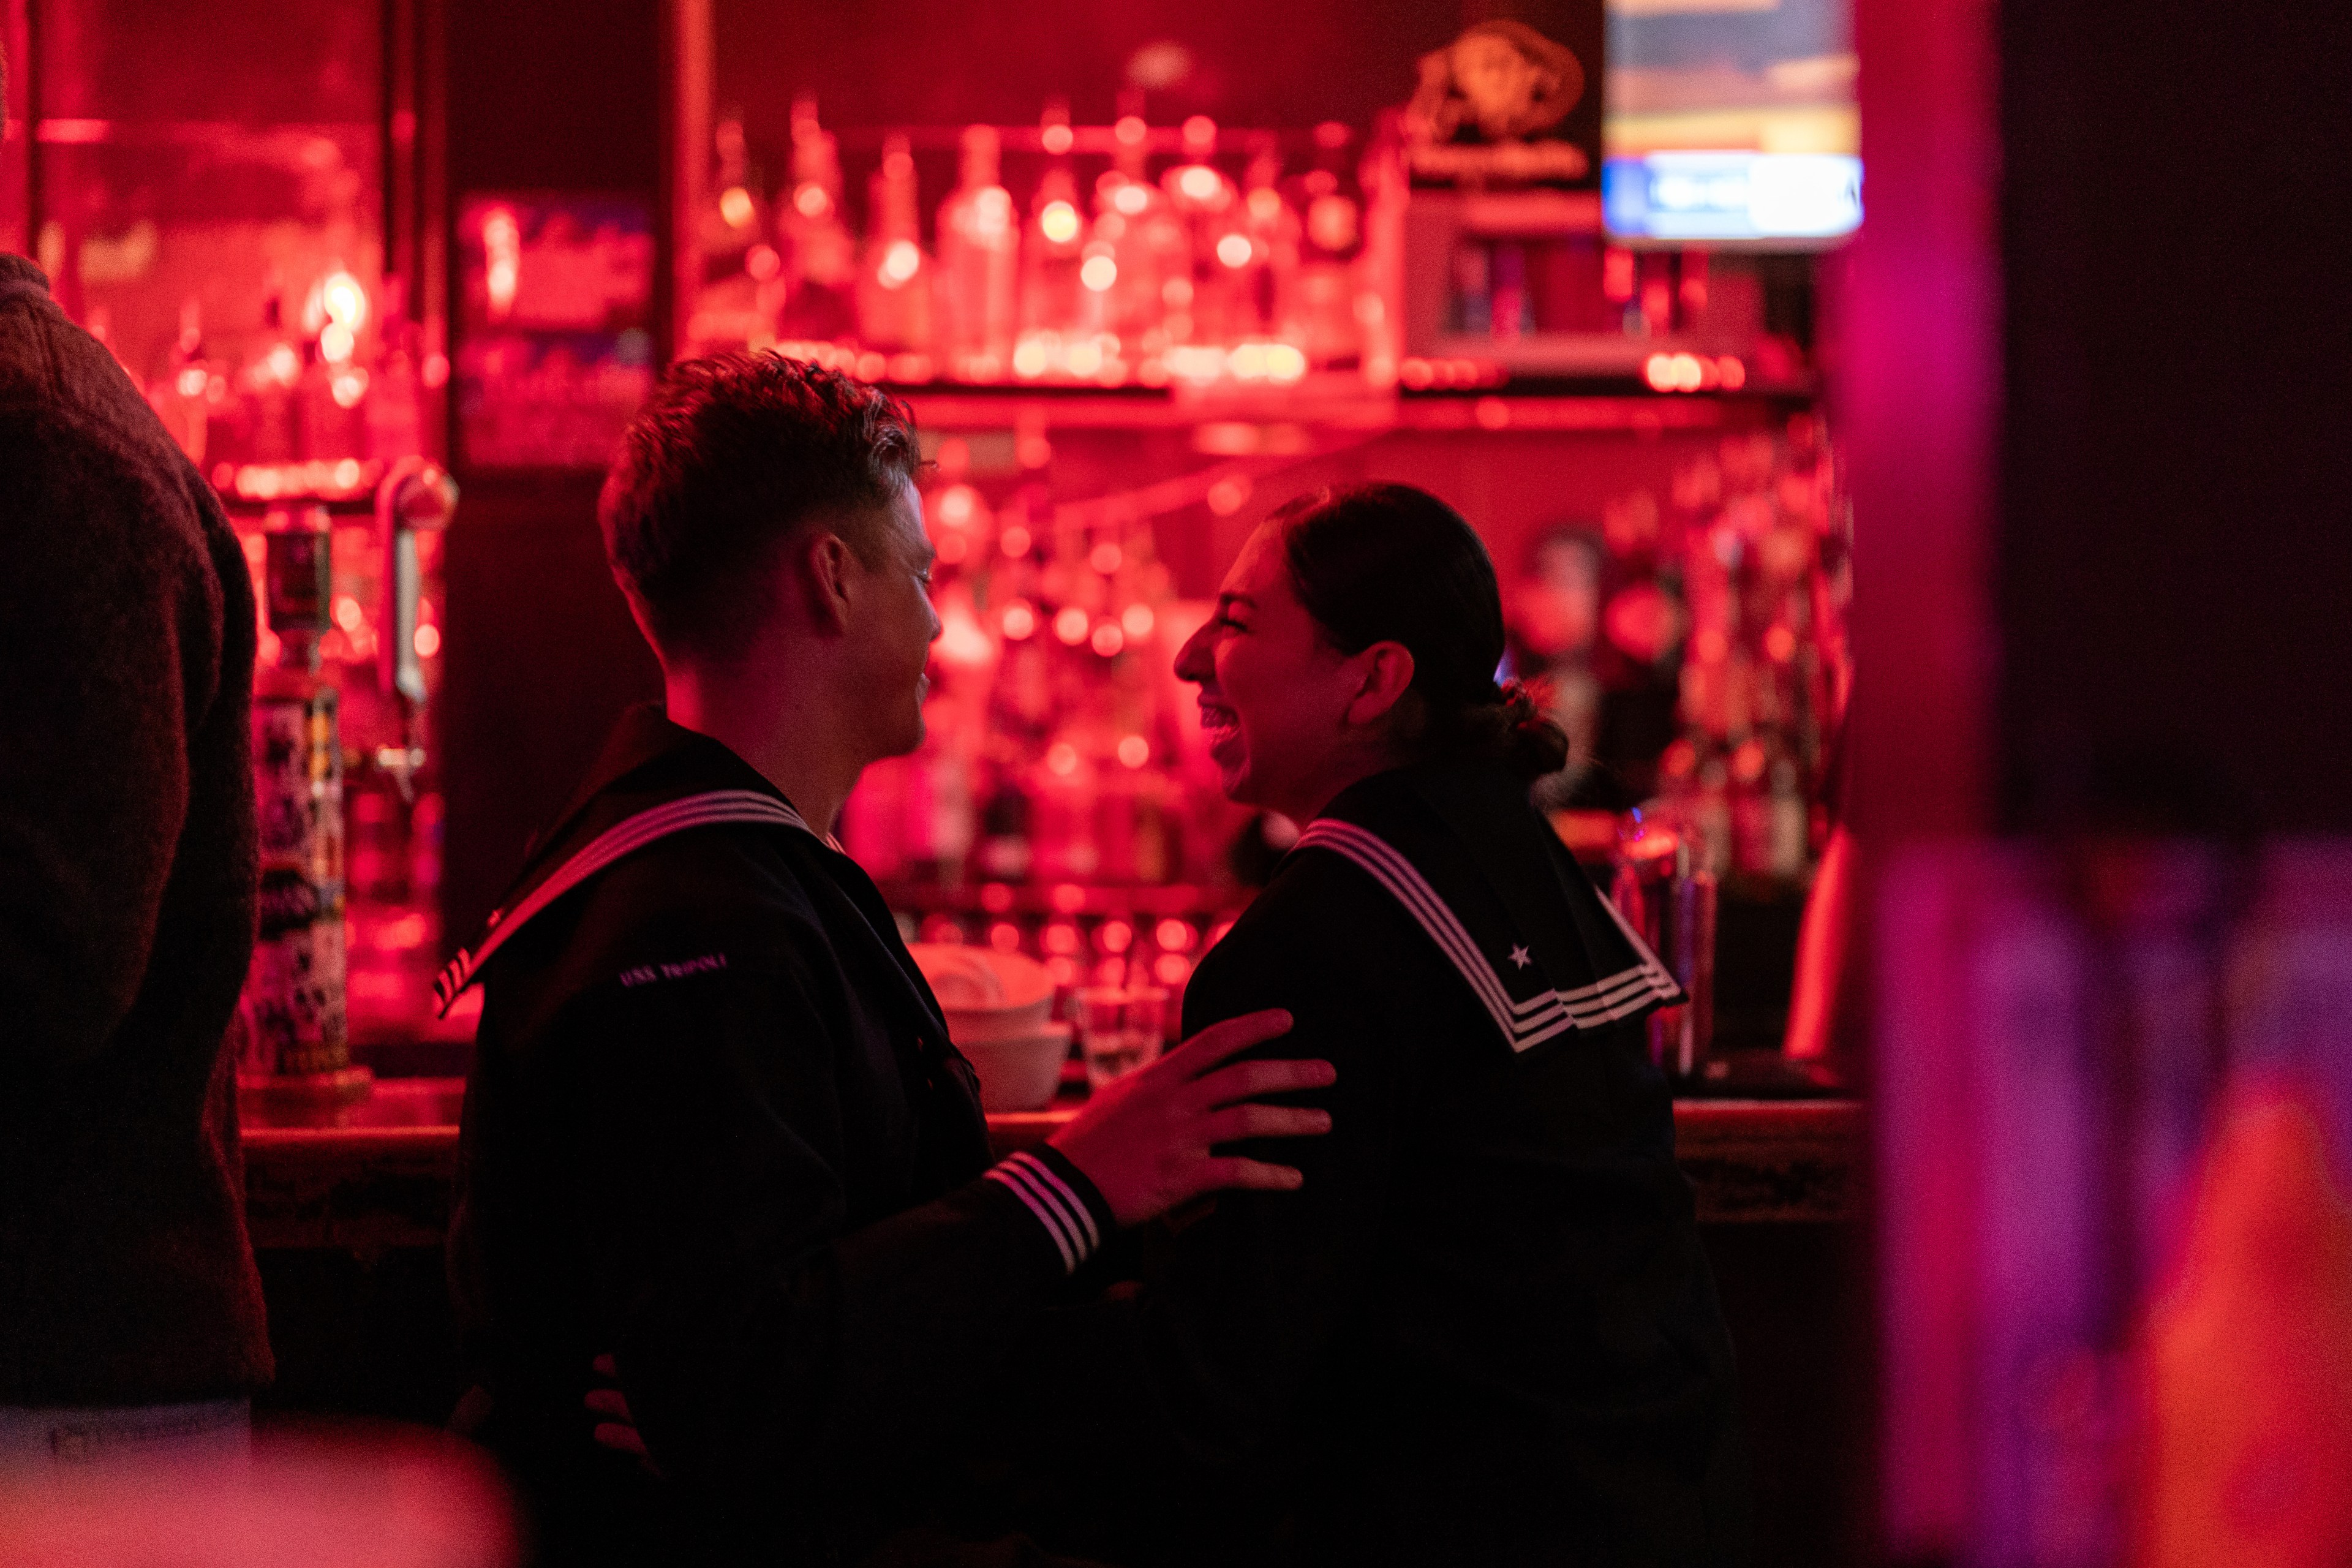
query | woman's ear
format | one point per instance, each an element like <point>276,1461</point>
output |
<point>1386,676</point>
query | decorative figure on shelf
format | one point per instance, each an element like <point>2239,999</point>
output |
<point>1484,102</point>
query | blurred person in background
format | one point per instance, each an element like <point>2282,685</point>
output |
<point>1597,634</point>
<point>716,1128</point>
<point>131,1314</point>
<point>1554,619</point>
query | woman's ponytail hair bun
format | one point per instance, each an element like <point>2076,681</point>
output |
<point>1512,730</point>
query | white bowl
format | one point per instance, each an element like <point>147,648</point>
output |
<point>986,994</point>
<point>1021,1073</point>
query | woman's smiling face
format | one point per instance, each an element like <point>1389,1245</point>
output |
<point>1275,695</point>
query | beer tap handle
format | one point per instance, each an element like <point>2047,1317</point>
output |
<point>416,494</point>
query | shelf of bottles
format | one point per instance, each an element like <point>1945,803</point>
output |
<point>1197,260</point>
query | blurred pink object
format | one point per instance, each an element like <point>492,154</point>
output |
<point>2249,1358</point>
<point>376,1497</point>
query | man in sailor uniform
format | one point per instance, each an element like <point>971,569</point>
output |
<point>716,1130</point>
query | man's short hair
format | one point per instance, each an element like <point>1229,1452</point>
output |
<point>732,457</point>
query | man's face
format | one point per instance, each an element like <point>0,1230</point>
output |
<point>892,627</point>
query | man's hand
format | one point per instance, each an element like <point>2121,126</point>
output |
<point>1144,1139</point>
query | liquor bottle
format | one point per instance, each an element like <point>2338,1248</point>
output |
<point>269,427</point>
<point>1148,285</point>
<point>735,218</point>
<point>819,257</point>
<point>292,1013</point>
<point>1198,195</point>
<point>739,287</point>
<point>184,394</point>
<point>332,392</point>
<point>980,247</point>
<point>1003,851</point>
<point>1059,314</point>
<point>894,280</point>
<point>1253,270</point>
<point>1329,201</point>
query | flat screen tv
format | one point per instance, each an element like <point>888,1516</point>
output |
<point>1731,121</point>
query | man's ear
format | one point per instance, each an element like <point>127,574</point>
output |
<point>1386,676</point>
<point>820,568</point>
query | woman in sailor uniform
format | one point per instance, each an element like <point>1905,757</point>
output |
<point>1482,1332</point>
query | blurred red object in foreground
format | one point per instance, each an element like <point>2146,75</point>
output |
<point>2249,1358</point>
<point>372,1497</point>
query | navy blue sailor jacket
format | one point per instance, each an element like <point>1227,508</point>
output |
<point>1483,1332</point>
<point>716,1128</point>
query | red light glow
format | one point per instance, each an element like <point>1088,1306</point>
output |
<point>957,504</point>
<point>1199,183</point>
<point>1114,936</point>
<point>735,206</point>
<point>1070,625</point>
<point>1058,139</point>
<point>343,300</point>
<point>1617,275</point>
<point>427,641</point>
<point>1019,623</point>
<point>1173,935</point>
<point>502,260</point>
<point>1105,557</point>
<point>900,261</point>
<point>1134,751</point>
<point>1098,273</point>
<point>1108,640</point>
<point>1059,223</point>
<point>1234,250</point>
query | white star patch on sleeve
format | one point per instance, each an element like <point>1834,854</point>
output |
<point>1519,957</point>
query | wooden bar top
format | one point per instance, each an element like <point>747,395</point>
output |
<point>376,1175</point>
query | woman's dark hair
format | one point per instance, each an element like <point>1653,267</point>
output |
<point>1393,563</point>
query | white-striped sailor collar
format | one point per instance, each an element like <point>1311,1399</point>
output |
<point>1471,865</point>
<point>705,809</point>
<point>606,821</point>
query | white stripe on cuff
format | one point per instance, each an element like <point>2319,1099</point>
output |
<point>1020,1175</point>
<point>1075,1206</point>
<point>1044,1216</point>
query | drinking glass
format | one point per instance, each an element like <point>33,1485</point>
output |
<point>1121,1029</point>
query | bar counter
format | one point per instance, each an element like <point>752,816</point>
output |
<point>378,1176</point>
